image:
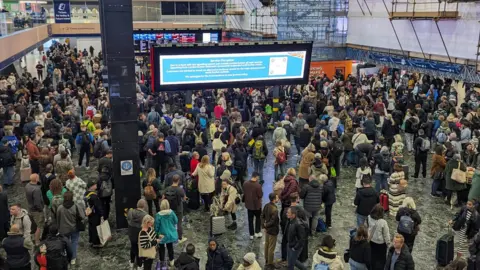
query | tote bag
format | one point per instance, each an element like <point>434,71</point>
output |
<point>458,175</point>
<point>104,232</point>
<point>149,253</point>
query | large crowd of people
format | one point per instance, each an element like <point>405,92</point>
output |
<point>54,124</point>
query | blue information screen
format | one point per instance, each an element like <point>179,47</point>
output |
<point>217,68</point>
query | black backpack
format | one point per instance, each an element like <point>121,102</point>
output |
<point>386,163</point>
<point>85,139</point>
<point>33,226</point>
<point>172,197</point>
<point>475,121</point>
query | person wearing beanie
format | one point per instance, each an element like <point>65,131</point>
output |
<point>228,198</point>
<point>249,262</point>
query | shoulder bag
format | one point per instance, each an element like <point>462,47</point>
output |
<point>458,175</point>
<point>149,253</point>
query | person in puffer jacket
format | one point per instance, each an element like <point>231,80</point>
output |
<point>326,255</point>
<point>178,124</point>
<point>134,219</point>
<point>312,201</point>
<point>291,186</point>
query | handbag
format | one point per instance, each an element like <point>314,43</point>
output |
<point>439,175</point>
<point>458,175</point>
<point>104,232</point>
<point>79,221</point>
<point>149,253</point>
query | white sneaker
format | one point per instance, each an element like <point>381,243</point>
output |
<point>132,265</point>
<point>251,237</point>
<point>87,168</point>
<point>73,261</point>
<point>182,240</point>
<point>172,263</point>
<point>259,235</point>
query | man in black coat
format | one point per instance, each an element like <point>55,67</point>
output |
<point>59,249</point>
<point>365,200</point>
<point>399,258</point>
<point>296,239</point>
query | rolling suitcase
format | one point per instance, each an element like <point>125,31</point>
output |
<point>444,250</point>
<point>217,225</point>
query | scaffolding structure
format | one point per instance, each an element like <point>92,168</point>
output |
<point>250,19</point>
<point>324,22</point>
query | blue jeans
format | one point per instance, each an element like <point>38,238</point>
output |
<point>436,184</point>
<point>292,258</point>
<point>258,167</point>
<point>356,266</point>
<point>279,169</point>
<point>8,175</point>
<point>74,236</point>
<point>381,181</point>
<point>361,220</point>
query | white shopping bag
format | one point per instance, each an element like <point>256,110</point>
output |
<point>104,232</point>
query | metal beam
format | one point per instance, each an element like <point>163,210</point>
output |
<point>365,1</point>
<point>394,30</point>
<point>419,43</point>
<point>443,41</point>
<point>361,7</point>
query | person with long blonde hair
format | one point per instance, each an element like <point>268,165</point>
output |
<point>152,189</point>
<point>206,180</point>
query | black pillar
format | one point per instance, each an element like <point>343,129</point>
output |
<point>117,45</point>
<point>188,102</point>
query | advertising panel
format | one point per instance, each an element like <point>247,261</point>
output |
<point>61,8</point>
<point>183,68</point>
<point>418,63</point>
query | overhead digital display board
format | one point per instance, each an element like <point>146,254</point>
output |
<point>204,67</point>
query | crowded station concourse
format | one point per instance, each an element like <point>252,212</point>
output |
<point>374,172</point>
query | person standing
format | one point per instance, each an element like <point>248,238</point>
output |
<point>296,239</point>
<point>466,223</point>
<point>165,222</point>
<point>77,186</point>
<point>365,200</point>
<point>67,215</point>
<point>360,251</point>
<point>253,194</point>
<point>409,210</point>
<point>135,220</point>
<point>259,154</point>
<point>147,241</point>
<point>422,148</point>
<point>298,126</point>
<point>4,214</point>
<point>218,257</point>
<point>39,67</point>
<point>105,182</point>
<point>312,201</point>
<point>58,249</point>
<point>379,237</point>
<point>228,197</point>
<point>33,154</point>
<point>18,249</point>
<point>271,224</point>
<point>84,142</point>
<point>326,255</point>
<point>398,256</point>
<point>152,190</point>
<point>7,162</point>
<point>206,181</point>
<point>34,196</point>
<point>94,211</point>
<point>176,196</point>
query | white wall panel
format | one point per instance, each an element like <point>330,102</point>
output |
<point>461,36</point>
<point>85,43</point>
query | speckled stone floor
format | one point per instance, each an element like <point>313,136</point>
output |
<point>115,255</point>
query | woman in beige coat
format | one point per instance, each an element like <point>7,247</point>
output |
<point>308,157</point>
<point>228,196</point>
<point>206,181</point>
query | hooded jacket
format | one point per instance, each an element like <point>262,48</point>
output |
<point>379,231</point>
<point>24,223</point>
<point>165,224</point>
<point>66,217</point>
<point>187,262</point>
<point>365,200</point>
<point>291,186</point>
<point>218,259</point>
<point>312,196</point>
<point>328,257</point>
<point>134,219</point>
<point>178,124</point>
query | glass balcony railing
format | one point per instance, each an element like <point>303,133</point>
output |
<point>10,23</point>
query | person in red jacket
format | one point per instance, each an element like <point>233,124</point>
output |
<point>291,186</point>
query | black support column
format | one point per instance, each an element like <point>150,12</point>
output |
<point>117,45</point>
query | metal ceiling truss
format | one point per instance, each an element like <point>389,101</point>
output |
<point>468,74</point>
